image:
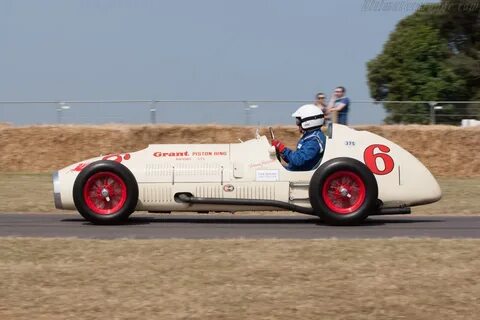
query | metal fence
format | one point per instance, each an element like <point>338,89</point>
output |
<point>432,112</point>
<point>249,112</point>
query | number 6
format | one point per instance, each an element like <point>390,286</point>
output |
<point>370,159</point>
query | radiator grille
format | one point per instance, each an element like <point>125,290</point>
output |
<point>151,193</point>
<point>256,192</point>
<point>209,191</point>
<point>198,169</point>
<point>158,170</point>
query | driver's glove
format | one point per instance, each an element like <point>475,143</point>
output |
<point>278,145</point>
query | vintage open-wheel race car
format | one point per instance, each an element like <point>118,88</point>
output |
<point>360,174</point>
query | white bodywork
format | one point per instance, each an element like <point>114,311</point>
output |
<point>250,170</point>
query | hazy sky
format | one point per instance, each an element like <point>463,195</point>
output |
<point>208,49</point>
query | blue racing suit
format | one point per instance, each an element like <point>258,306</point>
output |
<point>309,151</point>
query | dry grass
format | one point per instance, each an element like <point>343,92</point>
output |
<point>26,192</point>
<point>22,192</point>
<point>460,197</point>
<point>446,150</point>
<point>239,279</point>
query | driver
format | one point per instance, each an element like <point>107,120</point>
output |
<point>311,145</point>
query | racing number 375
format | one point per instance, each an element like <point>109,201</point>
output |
<point>370,157</point>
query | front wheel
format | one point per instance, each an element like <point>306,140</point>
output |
<point>343,191</point>
<point>105,192</point>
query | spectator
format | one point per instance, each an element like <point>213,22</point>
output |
<point>339,103</point>
<point>320,101</point>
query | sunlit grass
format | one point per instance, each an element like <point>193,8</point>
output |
<point>239,279</point>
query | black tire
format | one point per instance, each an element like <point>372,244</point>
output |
<point>348,202</point>
<point>89,206</point>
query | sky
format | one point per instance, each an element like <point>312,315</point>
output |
<point>63,50</point>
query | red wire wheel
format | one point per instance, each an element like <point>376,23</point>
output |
<point>105,193</point>
<point>344,192</point>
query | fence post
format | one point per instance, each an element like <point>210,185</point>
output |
<point>61,108</point>
<point>153,112</point>
<point>432,105</point>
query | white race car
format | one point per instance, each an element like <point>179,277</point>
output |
<point>360,174</point>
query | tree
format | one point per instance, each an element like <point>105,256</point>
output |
<point>431,56</point>
<point>461,28</point>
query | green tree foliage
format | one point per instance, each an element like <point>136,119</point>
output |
<point>433,55</point>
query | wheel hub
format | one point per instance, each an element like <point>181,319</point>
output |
<point>344,192</point>
<point>105,193</point>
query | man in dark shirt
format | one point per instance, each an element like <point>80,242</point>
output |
<point>339,103</point>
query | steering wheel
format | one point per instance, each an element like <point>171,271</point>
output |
<point>272,135</point>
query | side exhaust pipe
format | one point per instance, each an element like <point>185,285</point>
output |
<point>189,198</point>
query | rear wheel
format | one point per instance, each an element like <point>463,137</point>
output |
<point>343,191</point>
<point>105,192</point>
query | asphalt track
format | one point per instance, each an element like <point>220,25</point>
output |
<point>222,227</point>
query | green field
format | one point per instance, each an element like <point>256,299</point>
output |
<point>24,192</point>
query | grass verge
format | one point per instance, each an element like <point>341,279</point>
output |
<point>28,192</point>
<point>239,279</point>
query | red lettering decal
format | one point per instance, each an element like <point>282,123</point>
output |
<point>370,159</point>
<point>159,154</point>
<point>80,166</point>
<point>114,157</point>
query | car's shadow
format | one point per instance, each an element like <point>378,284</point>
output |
<point>260,220</point>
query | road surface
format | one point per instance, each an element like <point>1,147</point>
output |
<point>235,226</point>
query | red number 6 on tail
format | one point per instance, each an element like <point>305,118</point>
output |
<point>370,159</point>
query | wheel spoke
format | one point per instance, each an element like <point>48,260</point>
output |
<point>114,202</point>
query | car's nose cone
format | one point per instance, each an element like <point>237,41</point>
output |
<point>57,198</point>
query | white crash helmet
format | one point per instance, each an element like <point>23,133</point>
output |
<point>309,117</point>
